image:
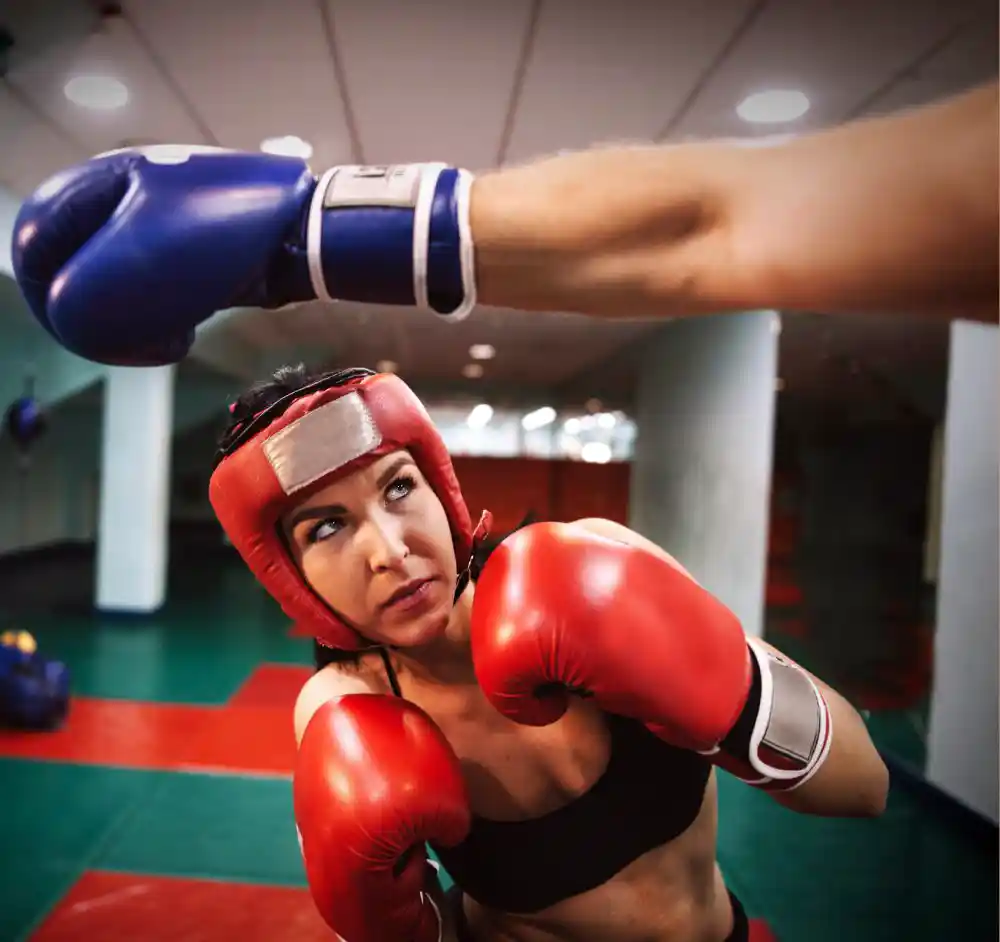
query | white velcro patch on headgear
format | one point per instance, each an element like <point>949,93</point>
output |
<point>321,442</point>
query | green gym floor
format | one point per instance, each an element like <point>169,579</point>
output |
<point>162,812</point>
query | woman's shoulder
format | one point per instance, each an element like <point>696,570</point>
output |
<point>332,682</point>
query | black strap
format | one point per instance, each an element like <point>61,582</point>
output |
<point>390,672</point>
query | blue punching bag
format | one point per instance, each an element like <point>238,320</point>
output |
<point>25,422</point>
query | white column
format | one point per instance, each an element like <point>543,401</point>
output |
<point>701,474</point>
<point>132,539</point>
<point>962,733</point>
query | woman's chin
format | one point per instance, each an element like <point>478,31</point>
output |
<point>418,631</point>
<point>417,635</point>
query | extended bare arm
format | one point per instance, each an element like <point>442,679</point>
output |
<point>897,213</point>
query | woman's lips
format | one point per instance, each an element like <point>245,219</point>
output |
<point>410,596</point>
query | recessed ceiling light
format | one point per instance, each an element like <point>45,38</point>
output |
<point>472,371</point>
<point>97,92</point>
<point>538,419</point>
<point>482,351</point>
<point>386,366</point>
<point>480,416</point>
<point>287,146</point>
<point>596,453</point>
<point>773,107</point>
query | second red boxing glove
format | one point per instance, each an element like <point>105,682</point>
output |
<point>374,781</point>
<point>559,607</point>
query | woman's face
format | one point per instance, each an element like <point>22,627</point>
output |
<point>377,547</point>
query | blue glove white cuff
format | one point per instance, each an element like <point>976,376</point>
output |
<point>431,203</point>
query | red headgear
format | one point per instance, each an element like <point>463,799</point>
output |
<point>319,435</point>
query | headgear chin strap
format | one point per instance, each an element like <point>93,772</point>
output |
<point>296,447</point>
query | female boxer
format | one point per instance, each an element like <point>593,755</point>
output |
<point>440,713</point>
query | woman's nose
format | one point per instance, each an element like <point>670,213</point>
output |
<point>384,542</point>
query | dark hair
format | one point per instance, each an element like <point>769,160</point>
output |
<point>267,392</point>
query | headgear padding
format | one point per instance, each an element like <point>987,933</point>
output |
<point>320,436</point>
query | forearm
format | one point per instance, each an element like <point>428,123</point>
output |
<point>853,781</point>
<point>897,213</point>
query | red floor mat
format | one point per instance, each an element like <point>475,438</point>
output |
<point>272,685</point>
<point>244,739</point>
<point>165,736</point>
<point>122,907</point>
<point>761,932</point>
<point>114,732</point>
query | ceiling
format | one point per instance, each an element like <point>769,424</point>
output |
<point>480,83</point>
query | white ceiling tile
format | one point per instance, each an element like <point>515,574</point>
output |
<point>32,150</point>
<point>967,59</point>
<point>603,71</point>
<point>430,80</point>
<point>836,51</point>
<point>253,69</point>
<point>152,113</point>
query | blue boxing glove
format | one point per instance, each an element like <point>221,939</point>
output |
<point>34,690</point>
<point>122,257</point>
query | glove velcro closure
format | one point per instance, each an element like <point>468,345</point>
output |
<point>784,733</point>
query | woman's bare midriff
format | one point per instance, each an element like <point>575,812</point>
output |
<point>673,893</point>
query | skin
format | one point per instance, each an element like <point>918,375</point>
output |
<point>895,214</point>
<point>365,535</point>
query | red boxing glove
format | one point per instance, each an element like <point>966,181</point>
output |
<point>560,609</point>
<point>375,780</point>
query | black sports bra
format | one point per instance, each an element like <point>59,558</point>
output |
<point>649,794</point>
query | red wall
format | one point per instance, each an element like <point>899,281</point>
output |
<point>510,488</point>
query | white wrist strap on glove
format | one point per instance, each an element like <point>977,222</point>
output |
<point>793,732</point>
<point>437,912</point>
<point>404,187</point>
<point>785,732</point>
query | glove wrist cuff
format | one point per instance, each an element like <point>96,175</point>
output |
<point>394,235</point>
<point>784,732</point>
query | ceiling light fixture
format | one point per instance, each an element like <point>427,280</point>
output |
<point>97,92</point>
<point>480,416</point>
<point>472,371</point>
<point>596,453</point>
<point>288,146</point>
<point>773,107</point>
<point>533,421</point>
<point>482,351</point>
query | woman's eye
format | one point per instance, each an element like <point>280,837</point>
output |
<point>400,488</point>
<point>324,530</point>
